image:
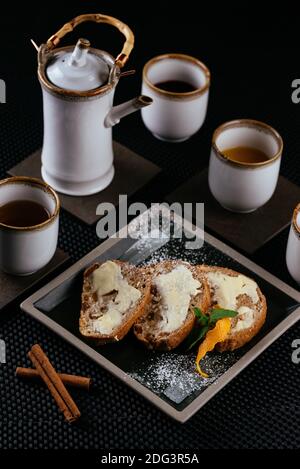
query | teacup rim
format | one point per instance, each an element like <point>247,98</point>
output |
<point>247,123</point>
<point>173,55</point>
<point>37,182</point>
<point>294,220</point>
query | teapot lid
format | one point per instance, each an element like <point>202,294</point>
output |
<point>78,70</point>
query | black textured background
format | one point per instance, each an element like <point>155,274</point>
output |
<point>253,59</point>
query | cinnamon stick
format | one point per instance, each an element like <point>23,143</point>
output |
<point>54,384</point>
<point>69,380</point>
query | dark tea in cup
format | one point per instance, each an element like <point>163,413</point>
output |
<point>176,86</point>
<point>22,213</point>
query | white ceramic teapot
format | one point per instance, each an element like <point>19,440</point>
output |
<point>78,85</point>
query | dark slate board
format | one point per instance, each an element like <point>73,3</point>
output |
<point>12,286</point>
<point>132,172</point>
<point>248,232</point>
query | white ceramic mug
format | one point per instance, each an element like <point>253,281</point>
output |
<point>244,187</point>
<point>293,246</point>
<point>174,116</point>
<point>24,250</point>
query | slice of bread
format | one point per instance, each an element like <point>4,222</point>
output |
<point>232,290</point>
<point>176,288</point>
<point>114,296</point>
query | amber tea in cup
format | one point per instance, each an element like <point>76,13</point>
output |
<point>244,164</point>
<point>245,155</point>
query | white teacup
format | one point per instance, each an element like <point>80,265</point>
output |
<point>26,249</point>
<point>293,246</point>
<point>240,186</point>
<point>175,116</point>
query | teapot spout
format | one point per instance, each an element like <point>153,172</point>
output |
<point>122,110</point>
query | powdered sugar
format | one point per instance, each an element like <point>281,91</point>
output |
<point>173,250</point>
<point>174,374</point>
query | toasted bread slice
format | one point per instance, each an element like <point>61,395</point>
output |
<point>176,288</point>
<point>242,295</point>
<point>114,296</point>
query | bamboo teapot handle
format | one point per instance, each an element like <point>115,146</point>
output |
<point>122,58</point>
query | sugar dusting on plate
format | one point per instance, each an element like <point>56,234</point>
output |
<point>175,376</point>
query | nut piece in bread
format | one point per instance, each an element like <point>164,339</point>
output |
<point>114,296</point>
<point>177,287</point>
<point>232,290</point>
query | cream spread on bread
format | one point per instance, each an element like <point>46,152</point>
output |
<point>245,319</point>
<point>176,288</point>
<point>107,279</point>
<point>227,289</point>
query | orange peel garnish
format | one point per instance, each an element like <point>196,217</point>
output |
<point>218,334</point>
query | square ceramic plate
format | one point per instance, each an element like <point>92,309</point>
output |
<point>167,380</point>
